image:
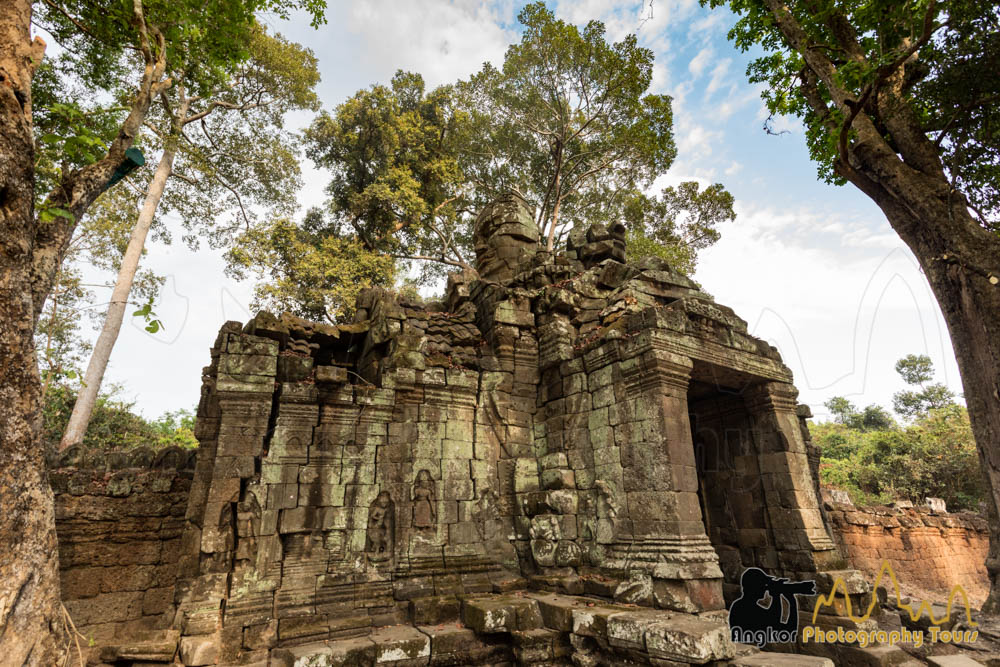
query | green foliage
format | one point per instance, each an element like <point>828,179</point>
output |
<point>866,453</point>
<point>915,368</point>
<point>935,456</point>
<point>236,165</point>
<point>678,224</point>
<point>60,348</point>
<point>310,270</point>
<point>932,63</point>
<point>872,418</point>
<point>918,370</point>
<point>397,185</point>
<point>175,429</point>
<point>567,121</point>
<point>114,423</point>
<point>200,38</point>
<point>153,324</point>
<point>82,96</point>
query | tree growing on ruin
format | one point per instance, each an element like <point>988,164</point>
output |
<point>900,99</point>
<point>122,48</point>
<point>398,184</point>
<point>567,121</point>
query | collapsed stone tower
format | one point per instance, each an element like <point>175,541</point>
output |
<point>563,423</point>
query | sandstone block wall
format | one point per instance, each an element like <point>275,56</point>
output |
<point>557,421</point>
<point>927,551</point>
<point>119,524</point>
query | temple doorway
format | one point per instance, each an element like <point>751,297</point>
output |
<point>733,502</point>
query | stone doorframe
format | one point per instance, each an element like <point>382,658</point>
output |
<point>660,538</point>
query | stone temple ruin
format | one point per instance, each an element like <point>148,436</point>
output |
<point>570,460</point>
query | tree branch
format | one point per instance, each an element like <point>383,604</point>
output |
<point>427,258</point>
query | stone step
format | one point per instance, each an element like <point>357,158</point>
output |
<point>158,647</point>
<point>501,614</point>
<point>664,635</point>
<point>356,652</point>
<point>408,646</point>
<point>873,656</point>
<point>956,660</point>
<point>452,644</point>
<point>768,659</point>
<point>401,646</point>
<point>541,646</point>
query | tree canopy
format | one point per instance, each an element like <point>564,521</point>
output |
<point>917,370</point>
<point>397,184</point>
<point>567,121</point>
<point>927,66</point>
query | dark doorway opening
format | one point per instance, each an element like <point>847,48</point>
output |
<point>730,489</point>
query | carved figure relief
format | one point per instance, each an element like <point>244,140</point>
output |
<point>607,512</point>
<point>424,512</point>
<point>486,513</point>
<point>381,527</point>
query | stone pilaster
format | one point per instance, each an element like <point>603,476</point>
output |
<point>793,508</point>
<point>660,533</point>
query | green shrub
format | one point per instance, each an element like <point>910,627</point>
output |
<point>114,424</point>
<point>934,456</point>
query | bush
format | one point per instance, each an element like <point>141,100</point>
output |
<point>935,456</point>
<point>114,424</point>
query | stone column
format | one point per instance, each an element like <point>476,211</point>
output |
<point>660,535</point>
<point>793,508</point>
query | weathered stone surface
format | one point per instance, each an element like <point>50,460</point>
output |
<point>952,661</point>
<point>399,644</point>
<point>199,650</point>
<point>159,649</point>
<point>561,420</point>
<point>359,652</point>
<point>489,616</point>
<point>769,659</point>
<point>687,638</point>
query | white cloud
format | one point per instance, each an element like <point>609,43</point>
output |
<point>700,61</point>
<point>443,40</point>
<point>719,74</point>
<point>839,318</point>
<point>694,142</point>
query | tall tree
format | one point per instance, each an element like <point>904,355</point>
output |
<point>568,122</point>
<point>243,113</point>
<point>900,99</point>
<point>917,370</point>
<point>131,44</point>
<point>398,185</point>
<point>30,626</point>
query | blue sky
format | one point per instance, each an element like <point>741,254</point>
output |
<point>814,269</point>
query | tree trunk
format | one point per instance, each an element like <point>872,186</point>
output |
<point>550,242</point>
<point>31,626</point>
<point>971,308</point>
<point>98,364</point>
<point>962,262</point>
